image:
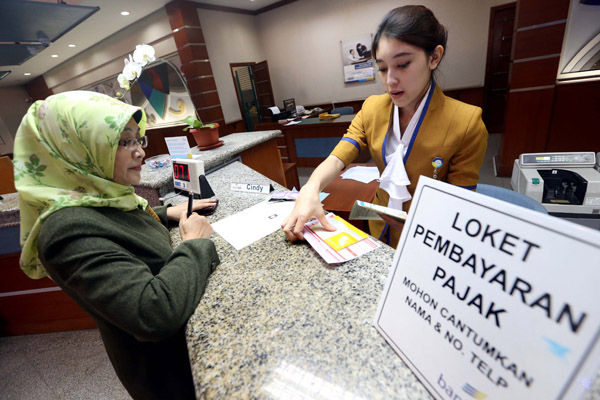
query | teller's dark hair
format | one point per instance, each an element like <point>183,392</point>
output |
<point>415,25</point>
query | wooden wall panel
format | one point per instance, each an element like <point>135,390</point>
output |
<point>32,313</point>
<point>38,89</point>
<point>534,73</point>
<point>41,313</point>
<point>212,114</point>
<point>539,42</point>
<point>536,12</point>
<point>529,120</point>
<point>473,96</point>
<point>196,68</point>
<point>575,122</point>
<point>206,99</point>
<point>201,84</point>
<point>191,52</point>
<point>526,125</point>
<point>195,63</point>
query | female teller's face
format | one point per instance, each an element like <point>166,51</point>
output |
<point>128,163</point>
<point>405,70</point>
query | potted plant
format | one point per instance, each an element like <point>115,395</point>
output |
<point>206,135</point>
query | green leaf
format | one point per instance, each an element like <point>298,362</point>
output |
<point>192,122</point>
<point>34,159</point>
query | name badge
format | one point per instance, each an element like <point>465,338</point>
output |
<point>252,187</point>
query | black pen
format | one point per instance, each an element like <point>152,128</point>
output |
<point>190,204</point>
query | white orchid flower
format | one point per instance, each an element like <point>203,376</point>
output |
<point>144,54</point>
<point>132,69</point>
<point>123,81</point>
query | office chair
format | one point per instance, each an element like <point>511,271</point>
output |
<point>510,197</point>
<point>349,110</point>
<point>7,178</point>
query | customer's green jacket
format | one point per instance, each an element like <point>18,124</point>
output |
<point>120,268</point>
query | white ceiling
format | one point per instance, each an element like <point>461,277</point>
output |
<point>100,25</point>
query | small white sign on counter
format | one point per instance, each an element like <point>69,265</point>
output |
<point>265,188</point>
<point>178,147</point>
<point>489,300</point>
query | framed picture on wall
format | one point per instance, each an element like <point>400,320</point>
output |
<point>356,56</point>
<point>580,56</point>
<point>160,92</point>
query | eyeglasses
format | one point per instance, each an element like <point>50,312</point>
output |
<point>131,144</point>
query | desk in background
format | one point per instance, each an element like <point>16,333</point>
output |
<point>309,142</point>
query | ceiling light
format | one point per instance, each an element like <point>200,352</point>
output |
<point>54,55</point>
<point>27,73</point>
<point>124,12</point>
<point>71,45</point>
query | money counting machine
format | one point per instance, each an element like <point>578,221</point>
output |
<point>566,184</point>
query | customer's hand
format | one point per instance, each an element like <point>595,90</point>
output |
<point>174,212</point>
<point>194,226</point>
<point>307,206</point>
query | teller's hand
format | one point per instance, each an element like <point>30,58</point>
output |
<point>307,206</point>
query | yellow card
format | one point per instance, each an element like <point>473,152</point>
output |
<point>344,235</point>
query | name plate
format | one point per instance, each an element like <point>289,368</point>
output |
<point>489,300</point>
<point>252,187</point>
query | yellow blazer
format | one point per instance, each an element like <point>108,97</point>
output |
<point>448,129</point>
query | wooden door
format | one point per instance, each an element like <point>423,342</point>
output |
<point>502,20</point>
<point>264,91</point>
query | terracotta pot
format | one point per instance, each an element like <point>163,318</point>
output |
<point>206,136</point>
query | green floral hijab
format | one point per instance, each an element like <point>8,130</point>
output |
<point>64,156</point>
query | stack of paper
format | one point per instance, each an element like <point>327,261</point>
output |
<point>361,174</point>
<point>344,244</point>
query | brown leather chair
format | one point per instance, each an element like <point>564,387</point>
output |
<point>7,178</point>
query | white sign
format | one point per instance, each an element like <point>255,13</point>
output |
<point>252,187</point>
<point>488,300</point>
<point>179,147</point>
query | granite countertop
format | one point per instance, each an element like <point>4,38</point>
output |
<point>277,319</point>
<point>233,145</point>
<point>277,322</point>
<point>9,210</point>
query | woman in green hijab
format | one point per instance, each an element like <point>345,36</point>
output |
<point>76,156</point>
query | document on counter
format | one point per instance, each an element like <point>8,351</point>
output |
<point>254,223</point>
<point>361,174</point>
<point>363,210</point>
<point>345,244</point>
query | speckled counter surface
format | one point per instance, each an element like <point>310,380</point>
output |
<point>277,319</point>
<point>9,210</point>
<point>162,179</point>
<point>277,322</point>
